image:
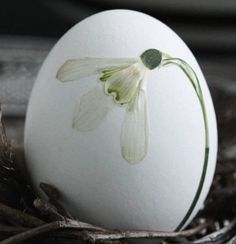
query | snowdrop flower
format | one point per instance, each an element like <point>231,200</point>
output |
<point>122,82</point>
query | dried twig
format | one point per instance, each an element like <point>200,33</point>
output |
<point>19,217</point>
<point>232,241</point>
<point>221,236</point>
<point>15,190</point>
<point>67,223</point>
<point>54,197</point>
<point>48,209</point>
<point>12,229</point>
<point>93,233</point>
<point>134,234</point>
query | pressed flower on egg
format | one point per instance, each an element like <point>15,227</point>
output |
<point>123,82</point>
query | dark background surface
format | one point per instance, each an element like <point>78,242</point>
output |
<point>208,27</point>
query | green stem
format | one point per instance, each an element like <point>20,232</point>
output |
<point>189,72</point>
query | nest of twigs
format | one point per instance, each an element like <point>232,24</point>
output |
<point>26,218</point>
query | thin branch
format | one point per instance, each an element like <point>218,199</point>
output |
<point>50,191</point>
<point>68,223</point>
<point>19,217</point>
<point>220,236</point>
<point>93,233</point>
<point>131,234</point>
<point>12,229</point>
<point>232,241</point>
<point>31,233</point>
<point>47,208</point>
<point>54,197</point>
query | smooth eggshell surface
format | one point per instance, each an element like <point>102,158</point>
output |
<point>98,185</point>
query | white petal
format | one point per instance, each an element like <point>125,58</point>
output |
<point>92,109</point>
<point>134,135</point>
<point>74,69</point>
<point>123,84</point>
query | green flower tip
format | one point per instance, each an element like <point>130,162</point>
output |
<point>151,58</point>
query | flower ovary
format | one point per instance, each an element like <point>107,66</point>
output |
<point>151,58</point>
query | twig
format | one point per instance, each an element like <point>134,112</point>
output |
<point>220,236</point>
<point>15,190</point>
<point>54,197</point>
<point>50,191</point>
<point>12,229</point>
<point>32,232</point>
<point>93,233</point>
<point>131,234</point>
<point>50,227</point>
<point>90,235</point>
<point>5,145</point>
<point>232,241</point>
<point>48,209</point>
<point>19,217</point>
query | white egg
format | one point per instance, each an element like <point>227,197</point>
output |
<point>162,183</point>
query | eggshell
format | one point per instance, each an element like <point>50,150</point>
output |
<point>99,186</point>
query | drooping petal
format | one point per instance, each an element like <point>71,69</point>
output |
<point>92,109</point>
<point>124,83</point>
<point>107,73</point>
<point>74,69</point>
<point>134,134</point>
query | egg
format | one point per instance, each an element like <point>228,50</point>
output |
<point>121,121</point>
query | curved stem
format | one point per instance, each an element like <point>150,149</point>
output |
<point>189,72</point>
